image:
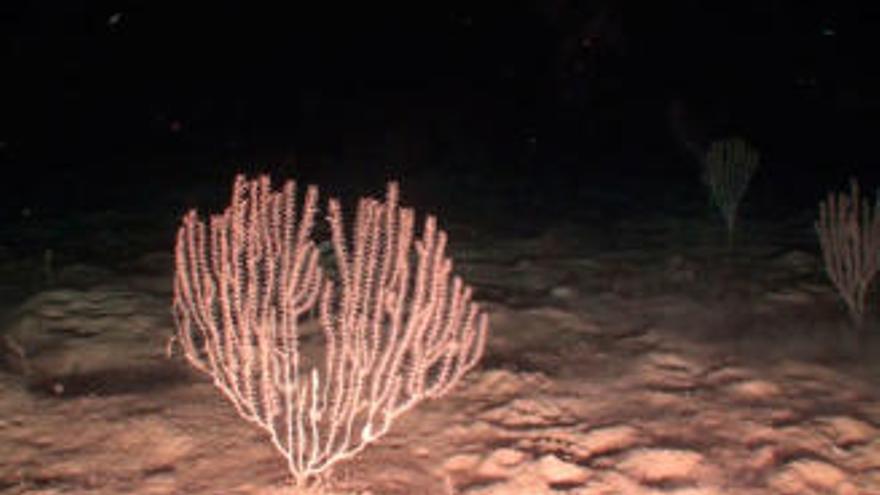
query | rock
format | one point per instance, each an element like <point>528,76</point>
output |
<point>791,296</point>
<point>807,475</point>
<point>846,431</point>
<point>680,270</point>
<point>797,261</point>
<point>82,276</point>
<point>516,486</point>
<point>501,463</point>
<point>105,334</point>
<point>526,412</point>
<point>755,390</point>
<point>558,472</point>
<point>662,465</point>
<point>500,383</point>
<point>462,463</point>
<point>563,292</point>
<point>609,439</point>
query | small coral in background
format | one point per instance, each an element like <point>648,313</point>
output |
<point>728,169</point>
<point>849,234</point>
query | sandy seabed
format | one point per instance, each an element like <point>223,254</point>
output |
<point>690,371</point>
